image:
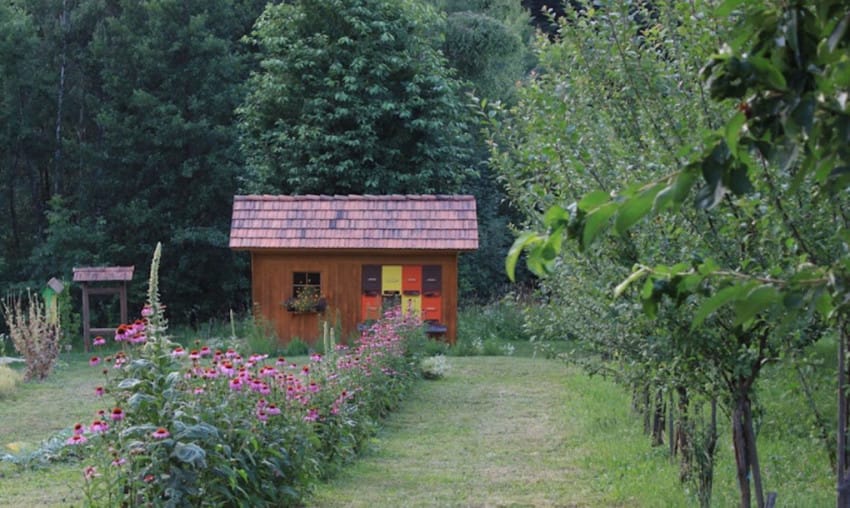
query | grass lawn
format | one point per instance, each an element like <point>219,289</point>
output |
<point>497,431</point>
<point>507,431</point>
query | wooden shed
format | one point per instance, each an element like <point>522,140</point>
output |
<point>354,256</point>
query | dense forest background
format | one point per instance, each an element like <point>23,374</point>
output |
<point>124,123</point>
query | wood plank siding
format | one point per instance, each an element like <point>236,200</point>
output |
<point>341,280</point>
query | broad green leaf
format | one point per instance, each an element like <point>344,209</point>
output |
<point>595,223</point>
<point>524,240</point>
<point>621,287</point>
<point>555,217</point>
<point>593,199</point>
<point>190,454</point>
<point>727,7</point>
<point>634,209</point>
<point>725,296</point>
<point>732,131</point>
<point>755,301</point>
<point>768,72</point>
<point>128,383</point>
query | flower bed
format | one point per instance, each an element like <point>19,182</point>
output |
<point>212,427</point>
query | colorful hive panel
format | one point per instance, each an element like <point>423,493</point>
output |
<point>432,279</point>
<point>370,307</point>
<point>391,278</point>
<point>371,279</point>
<point>432,308</point>
<point>411,279</point>
<point>411,305</point>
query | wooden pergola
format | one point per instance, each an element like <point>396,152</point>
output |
<point>109,280</point>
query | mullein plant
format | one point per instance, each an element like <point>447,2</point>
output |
<point>201,426</point>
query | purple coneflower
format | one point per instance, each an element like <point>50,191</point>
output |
<point>117,414</point>
<point>312,415</point>
<point>160,433</point>
<point>272,409</point>
<point>79,429</point>
<point>76,439</point>
<point>94,361</point>
<point>90,472</point>
<point>98,391</point>
<point>98,426</point>
<point>98,341</point>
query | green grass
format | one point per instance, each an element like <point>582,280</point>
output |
<point>502,431</point>
<point>497,431</point>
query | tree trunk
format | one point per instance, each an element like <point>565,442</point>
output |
<point>705,459</point>
<point>658,420</point>
<point>60,96</point>
<point>742,464</point>
<point>682,435</point>
<point>843,485</point>
<point>746,454</point>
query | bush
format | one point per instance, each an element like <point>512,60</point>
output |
<point>9,379</point>
<point>33,336</point>
<point>434,367</point>
<point>297,347</point>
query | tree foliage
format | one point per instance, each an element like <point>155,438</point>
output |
<point>353,97</point>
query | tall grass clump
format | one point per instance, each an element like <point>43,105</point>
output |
<point>33,335</point>
<point>489,329</point>
<point>9,379</point>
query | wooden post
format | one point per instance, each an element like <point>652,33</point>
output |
<point>123,298</point>
<point>86,316</point>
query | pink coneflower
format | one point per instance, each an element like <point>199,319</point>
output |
<point>199,390</point>
<point>79,429</point>
<point>194,355</point>
<point>262,415</point>
<point>121,333</point>
<point>117,414</point>
<point>205,351</point>
<point>147,311</point>
<point>305,370</point>
<point>98,426</point>
<point>90,472</point>
<point>281,362</point>
<point>98,341</point>
<point>312,415</point>
<point>315,357</point>
<point>160,433</point>
<point>236,384</point>
<point>264,389</point>
<point>94,361</point>
<point>267,371</point>
<point>226,368</point>
<point>255,385</point>
<point>230,353</point>
<point>257,357</point>
<point>118,461</point>
<point>272,409</point>
<point>76,439</point>
<point>313,387</point>
<point>98,391</point>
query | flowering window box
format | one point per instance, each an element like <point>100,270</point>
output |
<point>296,306</point>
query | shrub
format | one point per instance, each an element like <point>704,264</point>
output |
<point>297,347</point>
<point>434,367</point>
<point>9,379</point>
<point>33,336</point>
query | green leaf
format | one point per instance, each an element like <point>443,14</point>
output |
<point>595,223</point>
<point>555,217</point>
<point>768,72</point>
<point>709,306</point>
<point>621,287</point>
<point>634,209</point>
<point>190,454</point>
<point>527,238</point>
<point>732,131</point>
<point>128,383</point>
<point>593,200</point>
<point>727,7</point>
<point>756,300</point>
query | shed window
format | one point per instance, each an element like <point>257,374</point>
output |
<point>309,281</point>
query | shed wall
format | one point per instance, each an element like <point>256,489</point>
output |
<point>341,279</point>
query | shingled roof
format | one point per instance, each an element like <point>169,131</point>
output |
<point>103,274</point>
<point>354,222</point>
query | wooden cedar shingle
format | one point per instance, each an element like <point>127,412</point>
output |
<point>103,274</point>
<point>354,222</point>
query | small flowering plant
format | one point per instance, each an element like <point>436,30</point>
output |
<point>199,426</point>
<point>308,299</point>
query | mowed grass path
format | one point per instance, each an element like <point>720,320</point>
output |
<point>502,431</point>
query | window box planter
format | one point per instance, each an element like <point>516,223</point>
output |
<point>294,306</point>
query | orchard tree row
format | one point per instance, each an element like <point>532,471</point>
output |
<point>683,171</point>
